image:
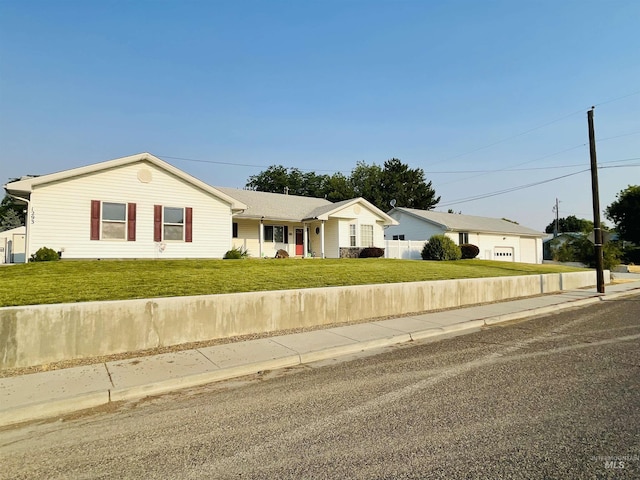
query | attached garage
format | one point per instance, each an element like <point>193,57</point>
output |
<point>497,239</point>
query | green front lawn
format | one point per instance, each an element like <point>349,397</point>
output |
<point>81,281</point>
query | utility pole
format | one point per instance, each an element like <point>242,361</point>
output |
<point>597,230</point>
<point>556,230</point>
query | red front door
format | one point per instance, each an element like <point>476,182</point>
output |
<point>299,242</point>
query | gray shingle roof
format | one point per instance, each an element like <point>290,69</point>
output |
<point>277,206</point>
<point>469,223</point>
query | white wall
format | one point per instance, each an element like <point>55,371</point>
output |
<point>12,245</point>
<point>404,249</point>
<point>411,227</point>
<point>60,215</point>
<point>41,334</point>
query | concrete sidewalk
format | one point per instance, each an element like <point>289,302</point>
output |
<point>48,394</point>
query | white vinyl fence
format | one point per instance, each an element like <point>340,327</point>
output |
<point>404,249</point>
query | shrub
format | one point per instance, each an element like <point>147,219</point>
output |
<point>441,247</point>
<point>469,251</point>
<point>236,253</point>
<point>45,254</point>
<point>372,252</point>
<point>582,250</point>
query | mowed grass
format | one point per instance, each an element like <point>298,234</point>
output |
<point>82,281</point>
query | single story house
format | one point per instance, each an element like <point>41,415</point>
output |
<point>497,239</point>
<point>305,226</point>
<point>142,207</point>
<point>131,207</point>
<point>12,245</point>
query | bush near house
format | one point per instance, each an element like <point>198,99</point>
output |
<point>441,247</point>
<point>469,250</point>
<point>236,253</point>
<point>45,254</point>
<point>372,252</point>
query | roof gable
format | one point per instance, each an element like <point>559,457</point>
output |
<point>26,185</point>
<point>468,223</point>
<point>323,213</point>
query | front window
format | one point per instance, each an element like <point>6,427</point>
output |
<point>275,233</point>
<point>114,221</point>
<point>173,223</point>
<point>366,235</point>
<point>352,235</point>
<point>463,237</point>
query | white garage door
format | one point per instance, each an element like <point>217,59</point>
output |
<point>504,254</point>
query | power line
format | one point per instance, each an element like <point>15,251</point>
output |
<point>216,162</point>
<point>522,187</point>
<point>524,169</point>
<point>508,190</point>
<point>535,128</point>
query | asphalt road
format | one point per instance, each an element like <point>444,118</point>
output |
<point>552,397</point>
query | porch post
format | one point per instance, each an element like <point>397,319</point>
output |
<point>261,236</point>
<point>322,239</point>
<point>305,241</point>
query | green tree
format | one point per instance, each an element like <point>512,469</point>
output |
<point>365,181</point>
<point>406,186</point>
<point>11,213</point>
<point>570,224</point>
<point>278,179</point>
<point>624,212</point>
<point>379,185</point>
<point>338,188</point>
<point>581,249</point>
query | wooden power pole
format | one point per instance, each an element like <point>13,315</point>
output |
<point>597,230</point>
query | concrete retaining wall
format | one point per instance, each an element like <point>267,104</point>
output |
<point>40,334</point>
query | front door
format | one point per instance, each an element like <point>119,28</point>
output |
<point>299,241</point>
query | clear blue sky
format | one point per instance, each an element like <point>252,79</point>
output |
<point>465,87</point>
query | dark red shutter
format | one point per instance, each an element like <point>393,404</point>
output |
<point>157,223</point>
<point>188,237</point>
<point>131,222</point>
<point>95,220</point>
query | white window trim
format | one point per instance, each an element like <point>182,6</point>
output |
<point>120,222</point>
<point>170,224</point>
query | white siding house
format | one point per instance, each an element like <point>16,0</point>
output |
<point>142,207</point>
<point>132,207</point>
<point>305,226</point>
<point>497,239</point>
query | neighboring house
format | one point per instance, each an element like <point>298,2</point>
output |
<point>551,243</point>
<point>497,239</point>
<point>132,207</point>
<point>12,245</point>
<point>305,226</point>
<point>142,207</point>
